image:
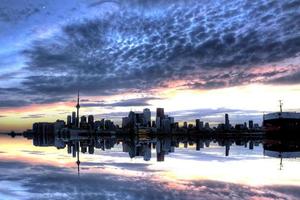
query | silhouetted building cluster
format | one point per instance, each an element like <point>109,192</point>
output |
<point>134,123</point>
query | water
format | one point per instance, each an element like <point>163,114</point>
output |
<point>148,168</point>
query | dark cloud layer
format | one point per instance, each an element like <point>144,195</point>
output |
<point>289,79</point>
<point>123,103</point>
<point>34,116</point>
<point>133,50</point>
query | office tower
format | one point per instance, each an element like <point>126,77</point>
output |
<point>58,125</point>
<point>97,125</point>
<point>73,118</point>
<point>206,126</point>
<point>166,125</point>
<point>147,117</point>
<point>69,148</point>
<point>109,125</point>
<point>132,119</point>
<point>69,120</point>
<point>160,113</point>
<point>176,125</point>
<point>147,152</point>
<point>153,124</point>
<point>139,119</point>
<point>197,124</point>
<point>91,120</point>
<point>158,124</point>
<point>201,125</point>
<point>83,119</point>
<point>91,149</point>
<point>227,149</point>
<point>172,120</point>
<point>250,124</point>
<point>185,125</point>
<point>125,122</point>
<point>251,145</point>
<point>227,124</point>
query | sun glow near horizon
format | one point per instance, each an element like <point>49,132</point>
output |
<point>255,98</point>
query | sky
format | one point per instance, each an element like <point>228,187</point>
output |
<point>195,58</point>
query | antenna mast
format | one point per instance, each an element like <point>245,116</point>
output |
<point>280,104</point>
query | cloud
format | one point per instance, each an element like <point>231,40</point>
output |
<point>124,103</point>
<point>145,45</point>
<point>48,182</point>
<point>133,51</point>
<point>288,79</point>
<point>16,10</point>
<point>34,116</point>
<point>13,103</point>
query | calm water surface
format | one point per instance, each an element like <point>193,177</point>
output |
<point>147,168</point>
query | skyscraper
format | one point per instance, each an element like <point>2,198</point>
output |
<point>90,119</point>
<point>227,124</point>
<point>73,118</point>
<point>160,115</point>
<point>197,124</point>
<point>160,112</point>
<point>69,120</point>
<point>147,117</point>
<point>250,124</point>
<point>83,119</point>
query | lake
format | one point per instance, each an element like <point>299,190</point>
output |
<point>142,167</point>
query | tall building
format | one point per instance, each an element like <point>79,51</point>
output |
<point>91,119</point>
<point>147,117</point>
<point>198,124</point>
<point>69,120</point>
<point>132,119</point>
<point>125,122</point>
<point>73,118</point>
<point>160,113</point>
<point>251,124</point>
<point>83,119</point>
<point>58,125</point>
<point>206,126</point>
<point>227,124</point>
<point>166,125</point>
<point>185,125</point>
<point>139,119</point>
<point>157,123</point>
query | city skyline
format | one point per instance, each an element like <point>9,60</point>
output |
<point>196,60</point>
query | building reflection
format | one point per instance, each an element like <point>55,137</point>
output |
<point>147,146</point>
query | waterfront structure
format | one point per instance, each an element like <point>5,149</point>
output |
<point>282,123</point>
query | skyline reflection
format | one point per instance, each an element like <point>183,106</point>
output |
<point>214,166</point>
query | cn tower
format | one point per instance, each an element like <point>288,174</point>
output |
<point>77,106</point>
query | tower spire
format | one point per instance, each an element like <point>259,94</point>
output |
<point>77,107</point>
